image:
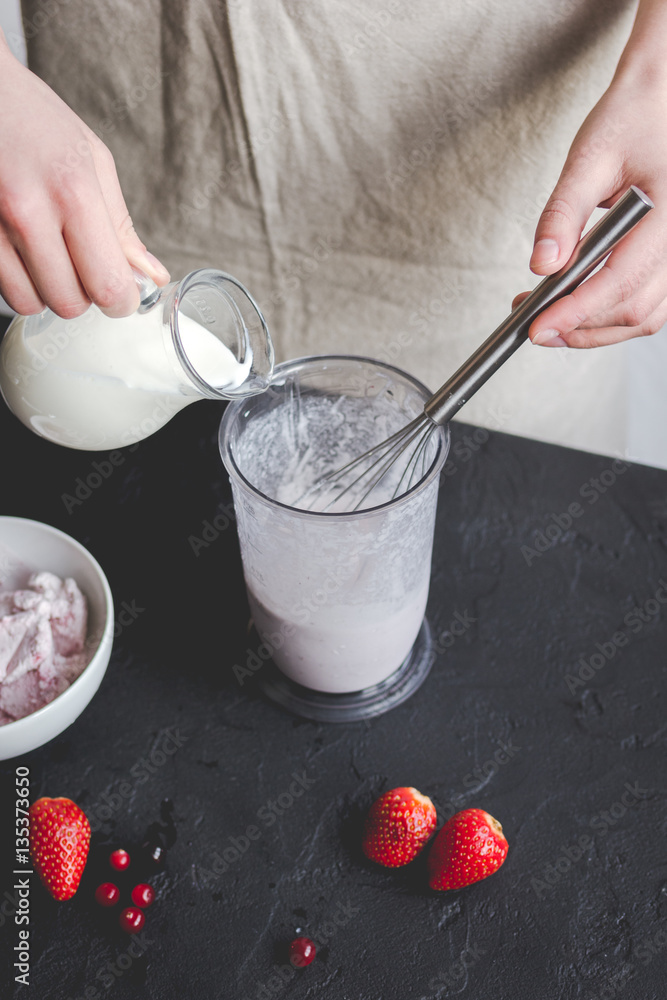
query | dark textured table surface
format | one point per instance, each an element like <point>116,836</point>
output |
<point>560,667</point>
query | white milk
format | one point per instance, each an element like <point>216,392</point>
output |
<point>98,383</point>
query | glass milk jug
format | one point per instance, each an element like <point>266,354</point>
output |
<point>97,383</point>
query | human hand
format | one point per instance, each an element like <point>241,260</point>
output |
<point>622,142</point>
<point>66,237</point>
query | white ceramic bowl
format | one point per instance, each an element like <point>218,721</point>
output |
<point>26,547</point>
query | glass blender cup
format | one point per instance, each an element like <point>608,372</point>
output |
<point>337,598</point>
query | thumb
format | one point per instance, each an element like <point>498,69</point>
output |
<point>134,250</point>
<point>564,217</point>
<point>138,255</point>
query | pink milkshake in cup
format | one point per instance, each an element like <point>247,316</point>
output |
<point>337,595</point>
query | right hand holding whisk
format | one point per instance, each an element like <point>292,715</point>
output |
<point>623,141</point>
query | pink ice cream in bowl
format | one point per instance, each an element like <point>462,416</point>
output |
<point>56,632</point>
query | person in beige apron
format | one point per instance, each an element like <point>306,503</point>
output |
<point>374,173</point>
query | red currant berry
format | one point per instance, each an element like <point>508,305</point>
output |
<point>301,952</point>
<point>132,920</point>
<point>143,895</point>
<point>119,860</point>
<point>107,894</point>
<point>154,853</point>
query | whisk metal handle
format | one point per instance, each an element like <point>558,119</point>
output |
<point>513,331</point>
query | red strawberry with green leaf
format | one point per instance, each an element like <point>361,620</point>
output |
<point>470,846</point>
<point>59,842</point>
<point>398,826</point>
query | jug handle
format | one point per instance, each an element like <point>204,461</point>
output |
<point>149,292</point>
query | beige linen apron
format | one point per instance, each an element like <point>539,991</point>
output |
<point>371,170</point>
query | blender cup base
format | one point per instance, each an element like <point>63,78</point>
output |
<point>355,705</point>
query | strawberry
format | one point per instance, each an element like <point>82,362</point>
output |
<point>469,847</point>
<point>397,827</point>
<point>59,841</point>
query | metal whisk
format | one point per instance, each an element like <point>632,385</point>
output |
<point>365,473</point>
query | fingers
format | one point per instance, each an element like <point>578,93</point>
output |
<point>632,311</point>
<point>563,220</point>
<point>603,328</point>
<point>101,239</point>
<point>134,250</point>
<point>65,234</point>
<point>98,257</point>
<point>70,248</point>
<point>604,335</point>
<point>624,298</point>
<point>64,251</point>
<point>588,179</point>
<point>624,292</point>
<point>35,254</point>
<point>39,242</point>
<point>16,285</point>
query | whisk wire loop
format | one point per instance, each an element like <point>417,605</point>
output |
<point>388,459</point>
